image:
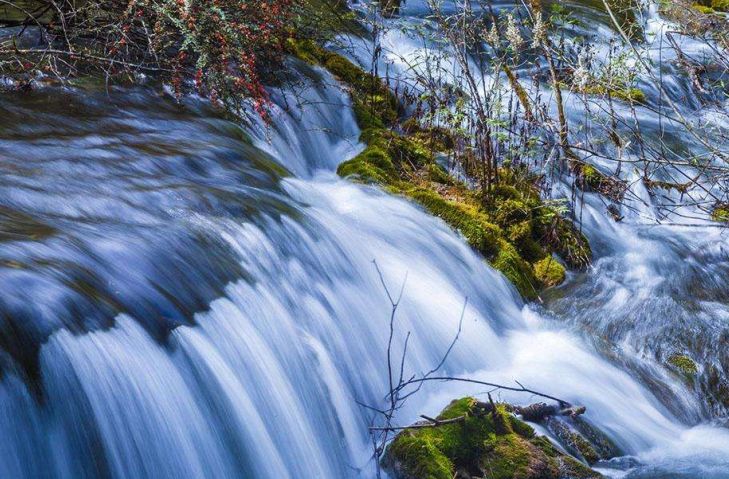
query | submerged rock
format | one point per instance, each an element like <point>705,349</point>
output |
<point>485,441</point>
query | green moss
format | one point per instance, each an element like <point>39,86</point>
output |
<point>415,455</point>
<point>375,106</point>
<point>563,238</point>
<point>434,137</point>
<point>549,272</point>
<point>703,9</point>
<point>325,19</point>
<point>513,457</point>
<point>573,440</point>
<point>473,225</point>
<point>720,5</point>
<point>493,442</point>
<point>511,211</point>
<point>590,178</point>
<point>521,428</point>
<point>585,448</point>
<point>683,364</point>
<point>519,272</point>
<point>720,213</point>
<point>520,233</point>
<point>438,174</point>
<point>626,93</point>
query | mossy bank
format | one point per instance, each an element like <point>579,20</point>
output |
<point>516,231</point>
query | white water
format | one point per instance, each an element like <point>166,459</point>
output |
<point>265,382</point>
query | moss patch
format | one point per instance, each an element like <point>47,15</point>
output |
<point>720,213</point>
<point>685,365</point>
<point>624,93</point>
<point>486,443</point>
<point>711,6</point>
<point>720,5</point>
<point>549,272</point>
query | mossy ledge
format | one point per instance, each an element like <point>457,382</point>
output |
<point>514,229</point>
<point>490,443</point>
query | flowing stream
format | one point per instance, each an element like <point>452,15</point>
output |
<point>186,297</point>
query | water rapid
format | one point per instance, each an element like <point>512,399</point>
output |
<point>186,297</point>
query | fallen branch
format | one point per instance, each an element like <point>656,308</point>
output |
<point>422,425</point>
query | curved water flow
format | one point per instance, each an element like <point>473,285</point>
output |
<point>182,301</point>
<point>657,285</point>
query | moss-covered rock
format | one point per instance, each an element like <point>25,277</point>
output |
<point>516,269</point>
<point>549,272</point>
<point>574,442</point>
<point>325,19</point>
<point>711,6</point>
<point>487,442</point>
<point>511,456</point>
<point>703,9</point>
<point>417,456</point>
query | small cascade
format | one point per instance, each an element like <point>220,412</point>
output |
<point>191,310</point>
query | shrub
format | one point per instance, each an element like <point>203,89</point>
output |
<point>227,46</point>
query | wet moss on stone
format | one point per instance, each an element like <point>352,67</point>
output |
<point>374,105</point>
<point>486,443</point>
<point>473,225</point>
<point>516,269</point>
<point>685,365</point>
<point>720,5</point>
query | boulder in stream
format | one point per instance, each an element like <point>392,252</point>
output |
<point>480,440</point>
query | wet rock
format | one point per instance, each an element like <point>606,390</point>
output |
<point>489,442</point>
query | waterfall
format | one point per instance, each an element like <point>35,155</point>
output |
<point>197,312</point>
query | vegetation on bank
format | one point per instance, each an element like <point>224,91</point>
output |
<point>712,6</point>
<point>484,441</point>
<point>225,50</point>
<point>513,228</point>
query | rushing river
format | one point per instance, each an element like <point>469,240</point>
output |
<point>186,297</point>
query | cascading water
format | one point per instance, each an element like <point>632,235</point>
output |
<point>656,287</point>
<point>175,305</point>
